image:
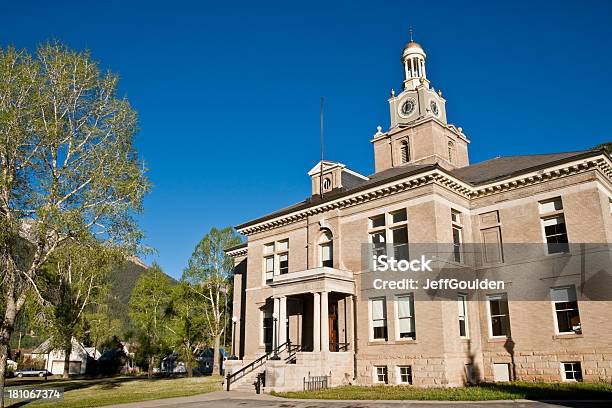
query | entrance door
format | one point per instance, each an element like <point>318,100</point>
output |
<point>333,328</point>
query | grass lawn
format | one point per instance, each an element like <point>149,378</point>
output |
<point>117,390</point>
<point>494,391</point>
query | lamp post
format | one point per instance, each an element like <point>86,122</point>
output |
<point>275,356</point>
<point>233,356</point>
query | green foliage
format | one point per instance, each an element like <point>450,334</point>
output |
<point>209,273</point>
<point>186,324</point>
<point>606,146</point>
<point>149,311</point>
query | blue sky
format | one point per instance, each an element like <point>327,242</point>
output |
<point>228,92</point>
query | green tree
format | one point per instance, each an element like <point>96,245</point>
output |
<point>186,324</point>
<point>607,146</point>
<point>209,272</point>
<point>148,311</point>
<point>77,280</point>
<point>68,168</point>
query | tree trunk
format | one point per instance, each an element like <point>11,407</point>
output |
<point>67,352</point>
<point>189,368</point>
<point>150,370</point>
<point>216,365</point>
<point>3,357</point>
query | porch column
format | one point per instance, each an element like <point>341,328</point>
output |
<point>316,322</point>
<point>282,321</point>
<point>350,337</point>
<point>324,322</point>
<point>276,325</point>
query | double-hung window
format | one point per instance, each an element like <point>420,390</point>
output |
<point>405,374</point>
<point>380,374</point>
<point>565,305</point>
<point>457,227</point>
<point>276,258</point>
<point>572,371</point>
<point>553,224</point>
<point>499,316</point>
<point>378,311</point>
<point>389,232</point>
<point>405,317</point>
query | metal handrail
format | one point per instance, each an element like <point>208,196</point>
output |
<point>339,346</point>
<point>233,377</point>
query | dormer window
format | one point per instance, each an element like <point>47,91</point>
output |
<point>405,151</point>
<point>327,184</point>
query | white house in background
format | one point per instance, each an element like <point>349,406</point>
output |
<point>54,358</point>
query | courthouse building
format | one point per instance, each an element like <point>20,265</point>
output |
<point>299,291</point>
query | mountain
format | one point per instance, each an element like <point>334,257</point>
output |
<point>123,280</point>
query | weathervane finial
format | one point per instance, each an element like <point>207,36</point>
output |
<point>410,31</point>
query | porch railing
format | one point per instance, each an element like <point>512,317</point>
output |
<point>337,346</point>
<point>317,382</point>
<point>233,377</point>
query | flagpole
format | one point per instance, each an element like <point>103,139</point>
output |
<point>321,137</point>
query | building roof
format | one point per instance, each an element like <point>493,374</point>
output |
<point>491,170</point>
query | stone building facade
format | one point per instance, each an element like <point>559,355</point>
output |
<point>299,278</point>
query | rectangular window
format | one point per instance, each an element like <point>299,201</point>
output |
<point>553,223</point>
<point>549,206</point>
<point>282,245</point>
<point>556,234</point>
<point>269,265</point>
<point>378,221</point>
<point>499,323</point>
<point>269,248</point>
<point>405,317</point>
<point>283,263</point>
<point>457,235</point>
<point>405,374</point>
<point>398,216</point>
<point>379,319</point>
<point>381,374</point>
<point>267,329</point>
<point>378,243</point>
<point>326,255</point>
<point>572,371</point>
<point>400,243</point>
<point>566,310</point>
<point>463,323</point>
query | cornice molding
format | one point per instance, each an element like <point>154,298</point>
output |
<point>441,178</point>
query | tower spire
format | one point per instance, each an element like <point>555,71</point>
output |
<point>410,31</point>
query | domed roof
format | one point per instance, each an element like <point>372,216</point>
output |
<point>413,47</point>
<point>413,44</point>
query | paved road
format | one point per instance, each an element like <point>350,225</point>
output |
<point>234,399</point>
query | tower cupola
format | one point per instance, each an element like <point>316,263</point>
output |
<point>413,59</point>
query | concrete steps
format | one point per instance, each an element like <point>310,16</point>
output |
<point>245,384</point>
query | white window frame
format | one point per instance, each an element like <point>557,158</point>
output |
<point>275,253</point>
<point>490,316</point>
<point>323,242</point>
<point>462,300</point>
<point>412,316</point>
<point>550,214</point>
<point>386,374</point>
<point>262,335</point>
<point>564,373</point>
<point>457,224</point>
<point>387,229</point>
<point>554,310</point>
<point>371,320</point>
<point>398,372</point>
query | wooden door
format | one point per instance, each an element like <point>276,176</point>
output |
<point>333,328</point>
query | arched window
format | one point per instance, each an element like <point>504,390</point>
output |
<point>326,248</point>
<point>405,151</point>
<point>451,152</point>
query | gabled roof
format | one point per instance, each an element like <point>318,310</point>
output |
<point>477,174</point>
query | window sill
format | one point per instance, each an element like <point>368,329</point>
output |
<point>498,339</point>
<point>561,336</point>
<point>377,342</point>
<point>405,341</point>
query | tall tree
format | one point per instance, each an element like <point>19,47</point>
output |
<point>77,281</point>
<point>148,311</point>
<point>68,169</point>
<point>209,273</point>
<point>186,324</point>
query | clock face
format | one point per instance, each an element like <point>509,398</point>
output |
<point>408,107</point>
<point>434,107</point>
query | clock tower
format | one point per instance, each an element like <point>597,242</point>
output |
<point>419,132</point>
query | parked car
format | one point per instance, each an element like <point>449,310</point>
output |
<point>32,372</point>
